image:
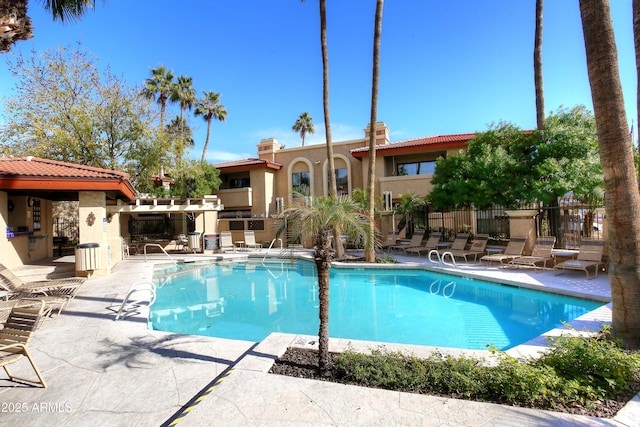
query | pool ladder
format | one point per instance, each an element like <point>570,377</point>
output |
<point>441,259</point>
<point>161,248</point>
<point>138,294</point>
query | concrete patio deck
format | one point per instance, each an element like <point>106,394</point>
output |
<point>119,373</point>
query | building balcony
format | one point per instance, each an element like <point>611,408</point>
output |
<point>236,198</point>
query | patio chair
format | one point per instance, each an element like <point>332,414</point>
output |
<point>56,294</point>
<point>16,335</point>
<point>513,250</point>
<point>226,242</point>
<point>431,244</point>
<point>392,240</point>
<point>183,242</point>
<point>478,247</point>
<point>542,253</point>
<point>250,240</point>
<point>416,241</point>
<point>459,243</point>
<point>589,255</point>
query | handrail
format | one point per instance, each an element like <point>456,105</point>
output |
<point>269,249</point>
<point>132,305</point>
<point>161,248</point>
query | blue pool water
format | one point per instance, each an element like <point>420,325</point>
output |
<point>249,300</point>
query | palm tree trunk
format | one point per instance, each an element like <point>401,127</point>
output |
<point>206,141</point>
<point>636,42</point>
<point>370,253</point>
<point>333,187</point>
<point>622,201</point>
<point>323,256</point>
<point>537,66</point>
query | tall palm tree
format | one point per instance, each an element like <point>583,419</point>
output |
<point>17,25</point>
<point>183,93</point>
<point>209,108</point>
<point>319,220</point>
<point>622,201</point>
<point>160,84</point>
<point>537,66</point>
<point>370,252</point>
<point>304,125</point>
<point>636,42</point>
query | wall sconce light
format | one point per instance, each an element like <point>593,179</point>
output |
<point>317,162</point>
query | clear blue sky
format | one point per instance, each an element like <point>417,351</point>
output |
<point>446,66</point>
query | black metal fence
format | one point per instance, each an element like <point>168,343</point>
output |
<point>569,222</point>
<point>67,229</point>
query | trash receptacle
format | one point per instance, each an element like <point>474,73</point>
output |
<point>194,241</point>
<point>88,257</point>
<point>211,242</point>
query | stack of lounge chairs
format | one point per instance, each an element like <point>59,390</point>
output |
<point>55,294</point>
<point>416,241</point>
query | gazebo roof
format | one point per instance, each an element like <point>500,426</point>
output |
<point>55,180</point>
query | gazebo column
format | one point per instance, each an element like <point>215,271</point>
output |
<point>92,215</point>
<point>522,223</point>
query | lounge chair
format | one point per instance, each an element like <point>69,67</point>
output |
<point>16,335</point>
<point>56,294</point>
<point>459,243</point>
<point>226,242</point>
<point>392,240</point>
<point>431,244</point>
<point>478,247</point>
<point>250,240</point>
<point>589,255</point>
<point>416,242</point>
<point>513,250</point>
<point>542,252</point>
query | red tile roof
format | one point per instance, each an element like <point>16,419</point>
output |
<point>32,173</point>
<point>244,164</point>
<point>412,145</point>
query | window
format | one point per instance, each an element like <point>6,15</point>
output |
<point>416,168</point>
<point>300,182</point>
<point>239,183</point>
<point>342,181</point>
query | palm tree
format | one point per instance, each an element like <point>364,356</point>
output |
<point>17,25</point>
<point>304,125</point>
<point>160,84</point>
<point>209,108</point>
<point>407,206</point>
<point>622,201</point>
<point>183,93</point>
<point>636,42</point>
<point>370,252</point>
<point>319,220</point>
<point>537,66</point>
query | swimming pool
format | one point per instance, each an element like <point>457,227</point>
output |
<point>248,300</point>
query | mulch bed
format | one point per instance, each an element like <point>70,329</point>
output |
<point>303,363</point>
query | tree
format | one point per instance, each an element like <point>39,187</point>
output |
<point>369,252</point>
<point>319,220</point>
<point>537,66</point>
<point>304,125</point>
<point>65,109</point>
<point>509,167</point>
<point>183,93</point>
<point>636,43</point>
<point>160,84</point>
<point>180,134</point>
<point>209,108</point>
<point>408,206</point>
<point>16,25</point>
<point>622,201</point>
<point>195,179</point>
